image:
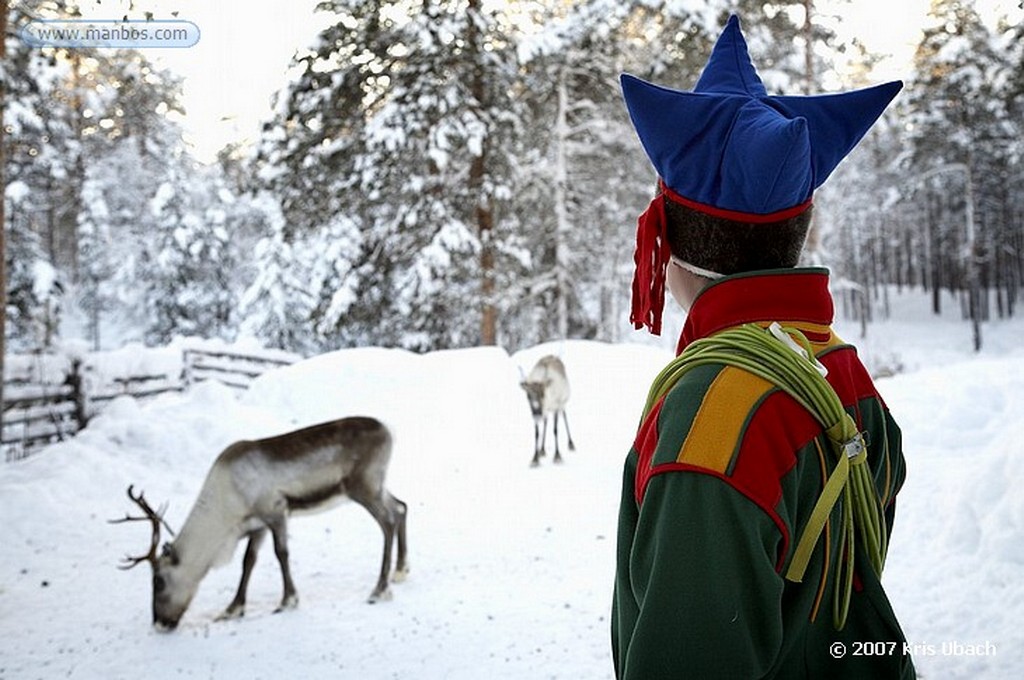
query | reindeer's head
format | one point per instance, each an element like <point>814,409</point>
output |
<point>171,593</point>
<point>535,395</point>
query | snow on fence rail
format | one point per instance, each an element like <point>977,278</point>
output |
<point>48,398</point>
<point>231,368</point>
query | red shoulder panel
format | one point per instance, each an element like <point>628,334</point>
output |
<point>646,443</point>
<point>778,429</point>
<point>848,376</point>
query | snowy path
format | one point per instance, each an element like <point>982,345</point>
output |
<point>956,566</point>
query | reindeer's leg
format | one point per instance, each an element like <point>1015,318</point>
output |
<point>572,447</point>
<point>279,530</point>
<point>536,443</point>
<point>399,511</point>
<point>544,436</point>
<point>380,511</point>
<point>237,607</point>
<point>558,454</point>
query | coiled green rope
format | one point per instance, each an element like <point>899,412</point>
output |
<point>783,357</point>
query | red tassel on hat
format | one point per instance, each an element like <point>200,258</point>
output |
<point>651,259</point>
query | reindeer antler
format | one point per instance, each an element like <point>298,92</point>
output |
<point>156,518</point>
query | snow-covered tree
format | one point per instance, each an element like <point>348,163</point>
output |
<point>1008,252</point>
<point>299,281</point>
<point>793,41</point>
<point>187,276</point>
<point>960,136</point>
<point>95,247</point>
<point>953,111</point>
<point>577,205</point>
<point>35,289</point>
<point>40,154</point>
<point>88,136</point>
<point>400,122</point>
<point>134,150</point>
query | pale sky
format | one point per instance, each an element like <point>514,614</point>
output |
<point>246,46</point>
<point>885,27</point>
<point>241,60</point>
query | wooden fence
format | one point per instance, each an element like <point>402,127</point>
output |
<point>40,412</point>
<point>231,368</point>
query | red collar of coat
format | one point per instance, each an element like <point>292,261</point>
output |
<point>791,295</point>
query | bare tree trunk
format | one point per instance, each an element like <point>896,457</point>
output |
<point>972,260</point>
<point>933,253</point>
<point>910,271</point>
<point>562,226</point>
<point>477,174</point>
<point>79,107</point>
<point>3,217</point>
<point>1009,280</point>
<point>813,244</point>
<point>808,30</point>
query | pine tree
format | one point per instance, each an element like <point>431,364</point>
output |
<point>187,283</point>
<point>784,39</point>
<point>76,113</point>
<point>571,88</point>
<point>35,289</point>
<point>131,149</point>
<point>95,245</point>
<point>412,150</point>
<point>959,141</point>
<point>39,157</point>
<point>583,178</point>
<point>1009,84</point>
<point>303,286</point>
<point>866,240</point>
<point>3,203</point>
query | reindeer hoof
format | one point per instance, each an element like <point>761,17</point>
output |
<point>383,596</point>
<point>289,602</point>
<point>232,612</point>
<point>399,575</point>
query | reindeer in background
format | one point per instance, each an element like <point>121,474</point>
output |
<point>251,488</point>
<point>547,389</point>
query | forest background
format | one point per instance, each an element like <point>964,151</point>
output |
<point>452,173</point>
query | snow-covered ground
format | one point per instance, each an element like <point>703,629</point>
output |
<point>511,566</point>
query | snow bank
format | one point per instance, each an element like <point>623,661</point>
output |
<point>511,566</point>
<point>957,554</point>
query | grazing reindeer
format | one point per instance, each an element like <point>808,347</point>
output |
<point>547,388</point>
<point>253,486</point>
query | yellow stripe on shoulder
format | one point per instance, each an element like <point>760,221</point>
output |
<point>721,419</point>
<point>821,336</point>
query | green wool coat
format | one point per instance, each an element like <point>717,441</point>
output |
<point>717,488</point>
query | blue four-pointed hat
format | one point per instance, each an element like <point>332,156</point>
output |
<point>731,150</point>
<point>729,146</point>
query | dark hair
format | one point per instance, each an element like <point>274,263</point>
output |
<point>728,246</point>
